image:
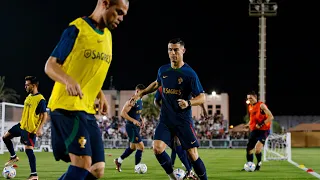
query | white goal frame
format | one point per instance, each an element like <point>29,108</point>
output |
<point>286,154</point>
<point>282,141</point>
<point>17,145</point>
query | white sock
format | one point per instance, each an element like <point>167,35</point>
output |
<point>120,160</point>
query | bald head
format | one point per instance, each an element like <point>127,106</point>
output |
<point>109,13</point>
<point>112,2</point>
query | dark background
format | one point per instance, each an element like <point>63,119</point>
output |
<point>221,42</point>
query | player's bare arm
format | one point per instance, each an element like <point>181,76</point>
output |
<point>205,113</point>
<point>103,103</point>
<point>265,109</point>
<point>54,71</point>
<point>126,108</point>
<point>151,88</point>
<point>196,101</point>
<point>142,122</point>
<point>43,117</point>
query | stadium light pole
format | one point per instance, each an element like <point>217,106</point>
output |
<point>262,9</point>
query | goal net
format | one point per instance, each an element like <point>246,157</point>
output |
<point>277,147</point>
<point>10,115</point>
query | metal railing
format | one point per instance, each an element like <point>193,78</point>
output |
<point>205,144</point>
<point>45,144</point>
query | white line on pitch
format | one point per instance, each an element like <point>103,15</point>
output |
<point>305,169</point>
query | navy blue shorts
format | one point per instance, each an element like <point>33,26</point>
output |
<point>258,135</point>
<point>72,132</point>
<point>26,138</point>
<point>185,132</point>
<point>133,132</point>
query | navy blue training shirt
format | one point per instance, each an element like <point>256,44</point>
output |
<point>135,111</point>
<point>177,84</point>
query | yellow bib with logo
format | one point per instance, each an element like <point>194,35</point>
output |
<point>88,64</point>
<point>30,120</point>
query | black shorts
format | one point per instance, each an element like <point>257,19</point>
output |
<point>26,138</point>
<point>72,132</point>
<point>185,132</point>
<point>258,135</point>
<point>133,132</point>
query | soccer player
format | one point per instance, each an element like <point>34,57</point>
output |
<point>177,148</point>
<point>33,118</point>
<point>79,65</point>
<point>259,124</point>
<point>132,113</point>
<point>178,81</point>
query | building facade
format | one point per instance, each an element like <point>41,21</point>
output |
<point>215,103</point>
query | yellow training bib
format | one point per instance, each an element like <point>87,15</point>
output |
<point>88,64</point>
<point>30,120</point>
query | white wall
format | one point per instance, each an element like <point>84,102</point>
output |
<point>219,99</point>
<point>120,97</point>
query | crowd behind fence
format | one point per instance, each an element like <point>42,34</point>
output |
<point>214,127</point>
<point>211,133</point>
<point>118,144</point>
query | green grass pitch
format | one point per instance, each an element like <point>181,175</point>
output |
<point>222,164</point>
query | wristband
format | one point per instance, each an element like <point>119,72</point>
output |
<point>189,103</point>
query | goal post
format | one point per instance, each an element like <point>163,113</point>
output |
<point>277,147</point>
<point>11,115</point>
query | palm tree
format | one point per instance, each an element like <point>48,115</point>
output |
<point>276,127</point>
<point>246,118</point>
<point>7,94</point>
<point>149,109</point>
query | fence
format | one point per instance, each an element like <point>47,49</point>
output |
<point>206,144</point>
<point>45,144</point>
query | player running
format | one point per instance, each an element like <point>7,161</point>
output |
<point>259,124</point>
<point>132,113</point>
<point>79,65</point>
<point>178,81</point>
<point>34,116</point>
<point>176,147</point>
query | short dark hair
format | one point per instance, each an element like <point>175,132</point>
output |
<point>32,79</point>
<point>253,94</point>
<point>140,87</point>
<point>177,41</point>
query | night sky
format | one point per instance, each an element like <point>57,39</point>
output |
<point>221,41</point>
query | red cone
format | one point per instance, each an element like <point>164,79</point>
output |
<point>309,170</point>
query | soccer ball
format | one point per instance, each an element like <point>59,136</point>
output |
<point>9,172</point>
<point>141,168</point>
<point>179,174</point>
<point>249,166</point>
